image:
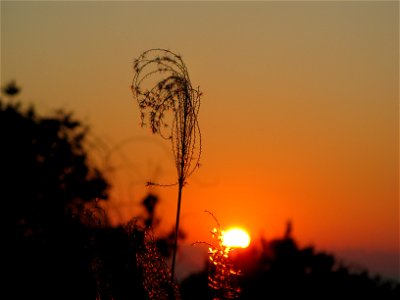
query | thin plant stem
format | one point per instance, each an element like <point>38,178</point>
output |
<point>180,187</point>
<point>175,245</point>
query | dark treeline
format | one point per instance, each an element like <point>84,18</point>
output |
<point>280,269</point>
<point>58,243</point>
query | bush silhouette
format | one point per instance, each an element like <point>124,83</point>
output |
<point>46,181</point>
<point>58,243</point>
<point>280,269</point>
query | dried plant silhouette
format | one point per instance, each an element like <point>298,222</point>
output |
<point>223,276</point>
<point>156,278</point>
<point>170,106</point>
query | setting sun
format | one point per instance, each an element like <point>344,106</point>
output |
<point>236,238</point>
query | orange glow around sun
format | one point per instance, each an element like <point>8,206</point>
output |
<point>236,238</point>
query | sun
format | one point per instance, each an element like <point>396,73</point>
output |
<point>235,238</point>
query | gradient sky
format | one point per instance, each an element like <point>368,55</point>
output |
<point>299,116</point>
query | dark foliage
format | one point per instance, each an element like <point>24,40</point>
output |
<point>280,269</point>
<point>57,241</point>
<point>46,182</point>
<point>44,170</point>
<point>114,264</point>
<point>11,89</point>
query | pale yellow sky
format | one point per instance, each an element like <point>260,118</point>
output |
<point>299,116</point>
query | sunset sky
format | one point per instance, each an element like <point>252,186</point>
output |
<point>299,117</point>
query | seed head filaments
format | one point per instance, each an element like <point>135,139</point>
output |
<point>170,105</point>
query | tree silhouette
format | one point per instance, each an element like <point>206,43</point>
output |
<point>11,89</point>
<point>46,181</point>
<point>45,171</point>
<point>58,243</point>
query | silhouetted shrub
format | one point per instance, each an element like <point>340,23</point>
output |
<point>280,269</point>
